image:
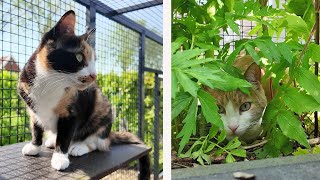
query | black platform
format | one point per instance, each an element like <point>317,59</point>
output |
<point>94,165</point>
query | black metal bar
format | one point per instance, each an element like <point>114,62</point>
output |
<point>91,22</point>
<point>316,68</point>
<point>121,19</point>
<point>153,70</point>
<point>141,85</point>
<point>135,7</point>
<point>156,126</point>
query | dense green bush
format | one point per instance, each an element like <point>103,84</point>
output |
<point>197,59</point>
<point>13,114</point>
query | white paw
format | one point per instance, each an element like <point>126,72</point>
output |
<point>51,141</point>
<point>30,149</point>
<point>60,161</point>
<point>78,149</point>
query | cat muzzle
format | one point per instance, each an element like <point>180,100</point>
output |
<point>88,79</point>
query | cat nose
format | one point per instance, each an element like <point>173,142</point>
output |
<point>233,128</point>
<point>93,76</point>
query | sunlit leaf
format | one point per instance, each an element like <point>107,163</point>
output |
<point>291,127</point>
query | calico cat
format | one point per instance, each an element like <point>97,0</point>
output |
<point>242,113</point>
<point>58,85</point>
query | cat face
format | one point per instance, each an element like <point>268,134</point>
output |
<point>241,113</point>
<point>62,53</point>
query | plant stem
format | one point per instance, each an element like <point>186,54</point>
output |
<point>192,42</point>
<point>264,3</point>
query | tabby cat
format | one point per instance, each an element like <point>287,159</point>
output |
<point>242,113</point>
<point>58,85</point>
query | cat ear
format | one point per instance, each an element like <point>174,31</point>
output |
<point>67,23</point>
<point>253,73</point>
<point>88,34</point>
<point>65,26</point>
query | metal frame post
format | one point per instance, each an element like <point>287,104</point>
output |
<point>156,126</point>
<point>141,94</point>
<point>91,21</point>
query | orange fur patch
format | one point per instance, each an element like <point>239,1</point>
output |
<point>42,57</point>
<point>65,101</point>
<point>87,51</point>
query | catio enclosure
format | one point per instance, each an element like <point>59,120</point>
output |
<point>128,45</point>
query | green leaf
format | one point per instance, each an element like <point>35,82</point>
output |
<point>213,131</point>
<point>296,25</point>
<point>312,52</point>
<point>204,75</point>
<point>181,56</point>
<point>299,101</point>
<point>210,147</point>
<point>188,153</point>
<point>269,117</point>
<point>234,143</point>
<point>174,84</point>
<point>209,108</point>
<point>263,48</point>
<point>230,158</point>
<point>234,54</point>
<point>300,151</point>
<point>285,52</point>
<point>206,158</point>
<point>316,150</point>
<point>179,104</point>
<point>273,49</point>
<point>189,126</point>
<point>291,127</point>
<point>200,160</point>
<point>195,62</point>
<point>252,52</point>
<point>309,82</point>
<point>234,26</point>
<point>238,152</point>
<point>187,84</point>
<point>222,136</point>
<point>177,43</point>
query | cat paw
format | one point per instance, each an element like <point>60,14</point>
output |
<point>30,149</point>
<point>50,142</point>
<point>60,161</point>
<point>78,149</point>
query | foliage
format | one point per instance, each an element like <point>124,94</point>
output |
<point>198,59</point>
<point>13,114</point>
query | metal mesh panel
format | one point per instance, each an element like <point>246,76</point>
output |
<point>153,55</point>
<point>117,65</point>
<point>153,21</point>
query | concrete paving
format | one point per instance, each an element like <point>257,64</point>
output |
<point>303,167</point>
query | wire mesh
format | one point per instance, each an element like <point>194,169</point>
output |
<point>22,26</point>
<point>117,48</point>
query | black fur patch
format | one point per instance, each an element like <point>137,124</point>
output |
<point>66,128</point>
<point>61,60</point>
<point>37,134</point>
<point>26,98</point>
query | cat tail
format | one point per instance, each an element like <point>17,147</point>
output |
<point>129,138</point>
<point>124,138</point>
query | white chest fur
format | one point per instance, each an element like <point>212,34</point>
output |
<point>46,93</point>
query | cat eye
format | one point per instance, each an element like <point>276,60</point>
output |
<point>79,57</point>
<point>221,110</point>
<point>245,106</point>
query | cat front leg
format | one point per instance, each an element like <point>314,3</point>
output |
<point>51,140</point>
<point>65,131</point>
<point>34,147</point>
